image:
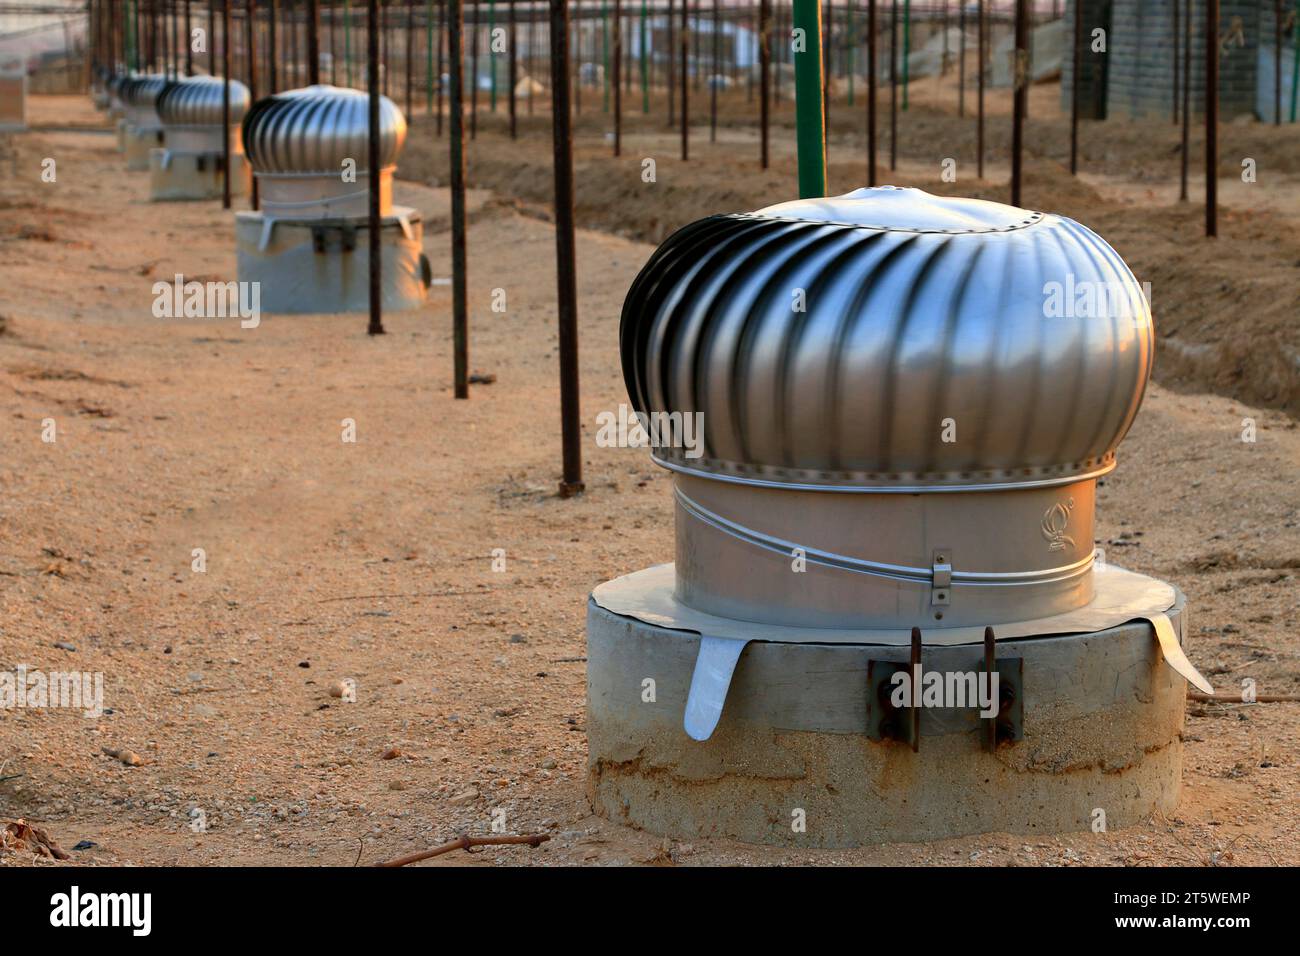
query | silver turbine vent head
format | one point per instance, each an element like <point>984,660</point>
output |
<point>314,129</point>
<point>141,90</point>
<point>908,397</point>
<point>197,101</point>
<point>826,341</point>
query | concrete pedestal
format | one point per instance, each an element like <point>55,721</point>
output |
<point>323,265</point>
<point>1103,716</point>
<point>138,142</point>
<point>177,175</point>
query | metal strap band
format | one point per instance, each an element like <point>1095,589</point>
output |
<point>878,568</point>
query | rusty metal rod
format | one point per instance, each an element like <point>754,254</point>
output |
<point>871,93</point>
<point>513,69</point>
<point>376,326</point>
<point>912,674</point>
<point>313,42</point>
<point>250,41</point>
<point>765,78</point>
<point>442,46</point>
<point>1211,118</point>
<point>990,667</point>
<point>225,104</point>
<point>684,44</point>
<point>893,85</point>
<point>565,260</point>
<point>1020,76</point>
<point>1187,97</point>
<point>980,29</point>
<point>456,123</point>
<point>410,54</point>
<point>1076,59</point>
<point>618,72</point>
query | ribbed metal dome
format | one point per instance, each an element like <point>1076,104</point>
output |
<point>142,90</point>
<point>828,343</point>
<point>196,101</point>
<point>313,130</point>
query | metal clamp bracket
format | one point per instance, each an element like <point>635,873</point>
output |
<point>887,721</point>
<point>941,578</point>
<point>343,236</point>
<point>1008,724</point>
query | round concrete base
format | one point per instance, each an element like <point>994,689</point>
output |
<point>316,266</point>
<point>790,762</point>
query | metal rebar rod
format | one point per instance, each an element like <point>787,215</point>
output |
<point>347,41</point>
<point>313,42</point>
<point>1020,76</point>
<point>376,326</point>
<point>907,49</point>
<point>684,44</point>
<point>225,104</point>
<point>250,42</point>
<point>893,85</point>
<point>513,70</point>
<point>1277,62</point>
<point>473,69</point>
<point>645,62</point>
<point>1187,96</point>
<point>713,77</point>
<point>455,21</point>
<point>871,93</point>
<point>979,68</point>
<point>565,260</point>
<point>1075,60</point>
<point>1177,37</point>
<point>410,56</point>
<point>765,78</point>
<point>1211,118</point>
<point>618,75</point>
<point>961,59</point>
<point>668,64</point>
<point>442,62</point>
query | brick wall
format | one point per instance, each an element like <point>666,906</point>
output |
<point>1138,67</point>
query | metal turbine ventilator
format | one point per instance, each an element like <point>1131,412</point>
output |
<point>190,165</point>
<point>142,129</point>
<point>309,152</point>
<point>906,402</point>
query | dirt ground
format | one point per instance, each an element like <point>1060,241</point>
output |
<point>372,560</point>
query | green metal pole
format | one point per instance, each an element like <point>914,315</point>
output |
<point>1295,67</point>
<point>428,54</point>
<point>492,52</point>
<point>907,45</point>
<point>809,118</point>
<point>347,37</point>
<point>604,47</point>
<point>645,64</point>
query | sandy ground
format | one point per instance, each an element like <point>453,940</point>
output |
<point>373,561</point>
